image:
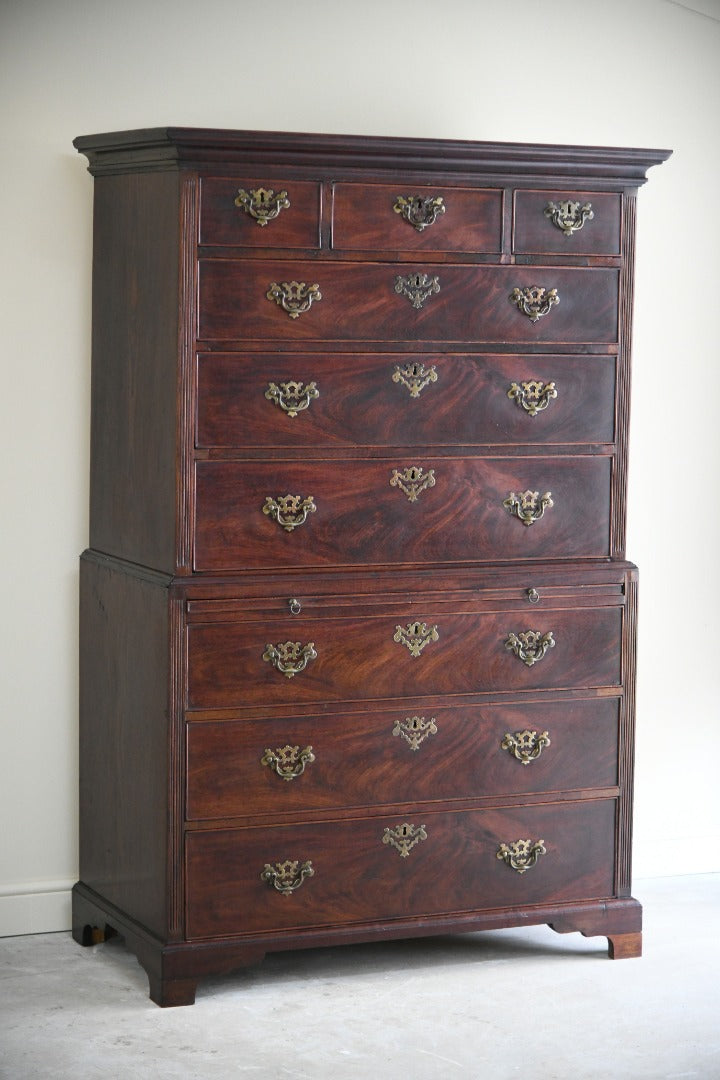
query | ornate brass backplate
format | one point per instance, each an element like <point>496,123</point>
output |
<point>415,730</point>
<point>290,657</point>
<point>292,397</point>
<point>289,510</point>
<point>533,396</point>
<point>569,216</point>
<point>415,377</point>
<point>526,746</point>
<point>404,837</point>
<point>521,855</point>
<point>412,480</point>
<point>418,210</point>
<point>288,761</point>
<point>295,297</point>
<point>531,646</point>
<point>527,506</point>
<point>417,287</point>
<point>416,635</point>
<point>262,204</point>
<point>287,876</point>
<point>534,301</point>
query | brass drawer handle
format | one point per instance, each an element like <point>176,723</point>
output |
<point>528,506</point>
<point>531,646</point>
<point>262,204</point>
<point>416,635</point>
<point>287,876</point>
<point>534,301</point>
<point>533,396</point>
<point>288,761</point>
<point>521,855</point>
<point>419,210</point>
<point>415,377</point>
<point>295,297</point>
<point>417,287</point>
<point>569,216</point>
<point>290,511</point>
<point>290,657</point>
<point>404,837</point>
<point>415,730</point>
<point>292,397</point>
<point>412,480</point>
<point>526,746</point>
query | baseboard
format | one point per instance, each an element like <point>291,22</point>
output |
<point>38,907</point>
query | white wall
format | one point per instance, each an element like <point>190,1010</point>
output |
<point>613,72</point>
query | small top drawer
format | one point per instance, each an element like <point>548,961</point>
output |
<point>567,223</point>
<point>260,213</point>
<point>407,217</point>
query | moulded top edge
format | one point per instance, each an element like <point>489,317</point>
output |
<point>163,148</point>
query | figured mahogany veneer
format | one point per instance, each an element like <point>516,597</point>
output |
<point>357,726</point>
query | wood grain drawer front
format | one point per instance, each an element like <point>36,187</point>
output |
<point>401,510</point>
<point>408,654</point>
<point>438,218</point>
<point>359,302</point>
<point>577,233</point>
<point>361,399</point>
<point>398,756</point>
<point>290,210</point>
<point>352,872</point>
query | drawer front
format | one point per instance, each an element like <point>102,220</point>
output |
<point>414,755</point>
<point>360,399</point>
<point>576,233</point>
<point>464,219</point>
<point>407,654</point>
<point>360,875</point>
<point>289,211</point>
<point>403,510</point>
<point>359,302</point>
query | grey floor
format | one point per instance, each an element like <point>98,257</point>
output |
<point>512,1003</point>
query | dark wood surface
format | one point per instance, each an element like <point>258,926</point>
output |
<point>365,759</point>
<point>188,582</point>
<point>359,303</point>
<point>361,519</point>
<point>364,402</point>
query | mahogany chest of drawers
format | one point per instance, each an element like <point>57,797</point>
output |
<point>357,629</point>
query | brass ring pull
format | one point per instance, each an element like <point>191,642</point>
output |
<point>262,204</point>
<point>418,210</point>
<point>528,506</point>
<point>404,837</point>
<point>533,596</point>
<point>533,396</point>
<point>415,730</point>
<point>287,876</point>
<point>295,297</point>
<point>531,646</point>
<point>290,657</point>
<point>289,510</point>
<point>417,288</point>
<point>526,746</point>
<point>569,216</point>
<point>521,855</point>
<point>295,606</point>
<point>534,301</point>
<point>288,761</point>
<point>292,397</point>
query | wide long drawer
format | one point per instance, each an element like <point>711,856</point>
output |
<point>380,868</point>
<point>384,399</point>
<point>410,648</point>
<point>301,763</point>
<point>344,301</point>
<point>402,510</point>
